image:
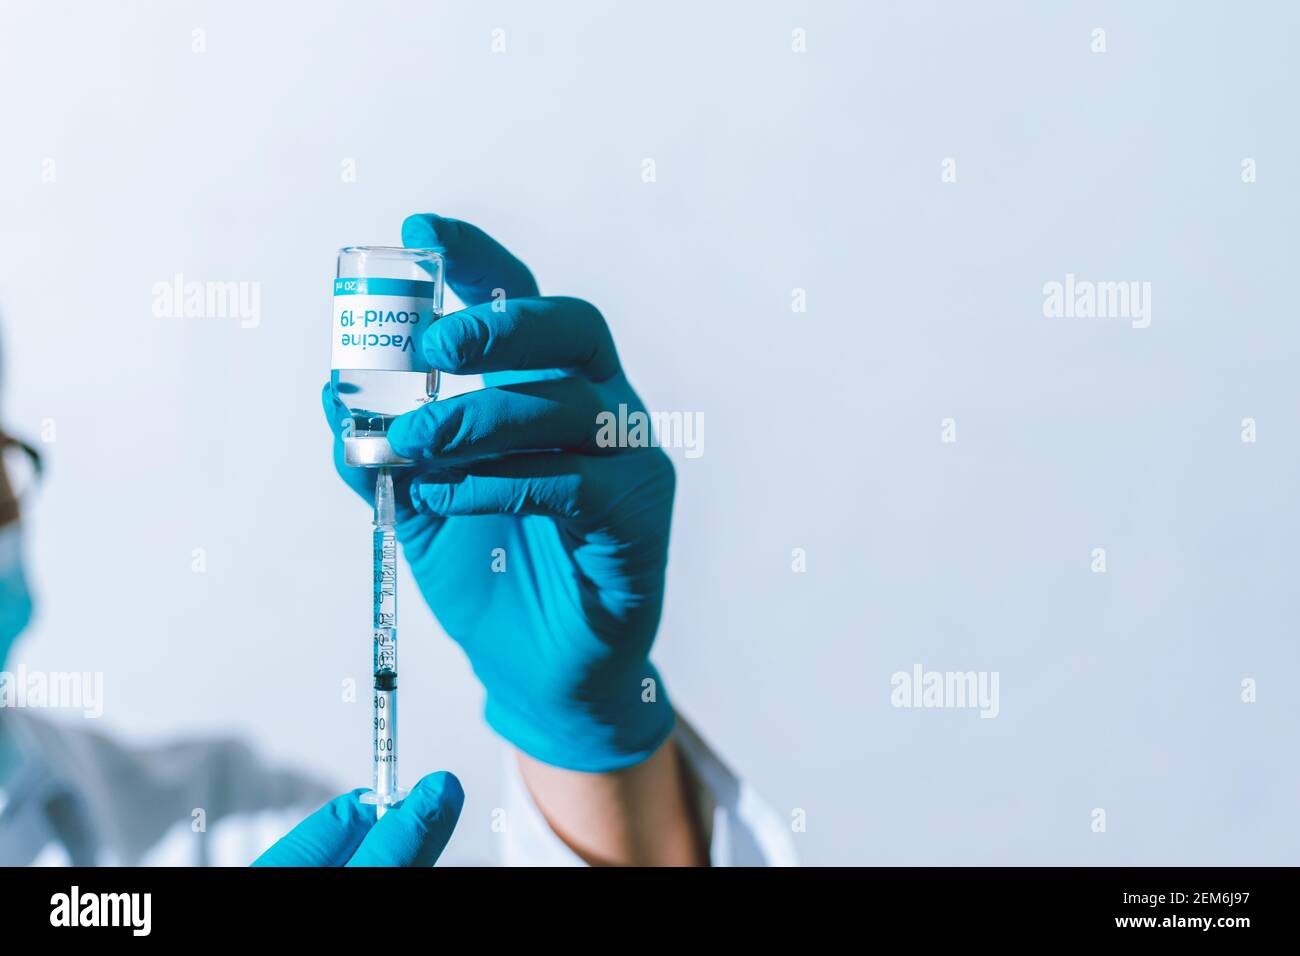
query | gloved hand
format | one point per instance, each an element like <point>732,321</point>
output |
<point>560,638</point>
<point>344,831</point>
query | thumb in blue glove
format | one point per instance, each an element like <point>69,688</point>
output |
<point>344,832</point>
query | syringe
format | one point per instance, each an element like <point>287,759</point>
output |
<point>386,791</point>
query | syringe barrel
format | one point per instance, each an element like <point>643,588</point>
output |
<point>385,740</point>
<point>385,642</point>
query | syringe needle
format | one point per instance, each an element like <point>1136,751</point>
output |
<point>384,516</point>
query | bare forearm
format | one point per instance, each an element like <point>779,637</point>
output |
<point>638,816</point>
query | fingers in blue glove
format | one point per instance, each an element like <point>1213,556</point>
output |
<point>559,485</point>
<point>476,264</point>
<point>556,414</point>
<point>416,831</point>
<point>328,837</point>
<point>526,333</point>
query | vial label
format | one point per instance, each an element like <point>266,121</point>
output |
<point>378,323</point>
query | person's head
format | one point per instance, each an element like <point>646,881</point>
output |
<point>20,464</point>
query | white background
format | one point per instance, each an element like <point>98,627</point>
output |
<point>775,170</point>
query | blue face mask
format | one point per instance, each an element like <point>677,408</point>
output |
<point>15,598</point>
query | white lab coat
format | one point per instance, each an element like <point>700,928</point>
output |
<point>80,797</point>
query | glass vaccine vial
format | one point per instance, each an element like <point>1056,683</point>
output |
<point>384,299</point>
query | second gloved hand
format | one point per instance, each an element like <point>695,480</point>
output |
<point>344,832</point>
<point>540,547</point>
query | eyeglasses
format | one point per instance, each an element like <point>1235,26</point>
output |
<point>20,473</point>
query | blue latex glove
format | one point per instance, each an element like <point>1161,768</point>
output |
<point>344,831</point>
<point>561,638</point>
